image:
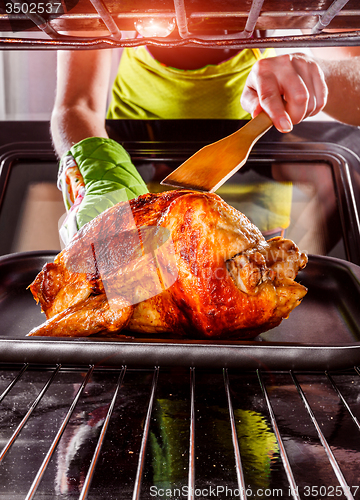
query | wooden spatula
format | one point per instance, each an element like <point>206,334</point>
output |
<point>214,164</point>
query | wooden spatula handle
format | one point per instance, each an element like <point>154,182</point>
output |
<point>210,167</point>
<point>258,125</point>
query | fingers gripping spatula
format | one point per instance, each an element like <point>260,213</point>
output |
<point>214,164</point>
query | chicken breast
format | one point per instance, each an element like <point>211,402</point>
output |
<point>180,263</point>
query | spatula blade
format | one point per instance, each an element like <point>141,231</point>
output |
<point>214,164</point>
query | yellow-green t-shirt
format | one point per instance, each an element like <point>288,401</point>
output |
<point>146,89</point>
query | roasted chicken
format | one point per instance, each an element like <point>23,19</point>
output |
<point>180,263</point>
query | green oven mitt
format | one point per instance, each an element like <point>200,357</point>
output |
<point>94,175</point>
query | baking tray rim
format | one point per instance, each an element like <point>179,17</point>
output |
<point>244,355</point>
<point>241,354</point>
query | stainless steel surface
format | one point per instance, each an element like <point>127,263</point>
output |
<point>214,24</point>
<point>100,433</point>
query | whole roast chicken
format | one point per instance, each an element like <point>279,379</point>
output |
<point>180,263</point>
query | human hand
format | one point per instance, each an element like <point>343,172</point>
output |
<point>288,88</point>
<point>96,174</point>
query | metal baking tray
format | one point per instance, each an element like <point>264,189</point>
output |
<point>322,333</point>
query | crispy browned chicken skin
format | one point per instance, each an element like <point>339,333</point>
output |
<point>179,262</point>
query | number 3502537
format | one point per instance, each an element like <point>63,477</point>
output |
<point>33,8</point>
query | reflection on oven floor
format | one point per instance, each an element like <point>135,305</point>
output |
<point>98,433</point>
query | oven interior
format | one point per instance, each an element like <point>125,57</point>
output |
<point>71,432</point>
<point>99,431</point>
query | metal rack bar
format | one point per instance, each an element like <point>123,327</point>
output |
<point>273,14</point>
<point>14,381</point>
<point>329,15</point>
<point>106,18</point>
<point>78,43</point>
<point>331,457</point>
<point>90,473</point>
<point>254,14</point>
<point>28,413</point>
<point>181,19</point>
<point>238,463</point>
<point>41,471</point>
<point>343,400</point>
<point>193,15</point>
<point>252,18</point>
<point>290,476</point>
<point>145,436</point>
<point>191,475</point>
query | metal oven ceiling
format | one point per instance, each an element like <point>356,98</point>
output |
<point>211,23</point>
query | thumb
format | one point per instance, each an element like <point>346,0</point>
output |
<point>256,110</point>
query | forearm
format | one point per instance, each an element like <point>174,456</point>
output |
<point>342,79</point>
<point>70,125</point>
<point>81,95</point>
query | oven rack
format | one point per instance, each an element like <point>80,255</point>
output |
<point>189,432</point>
<point>245,24</point>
